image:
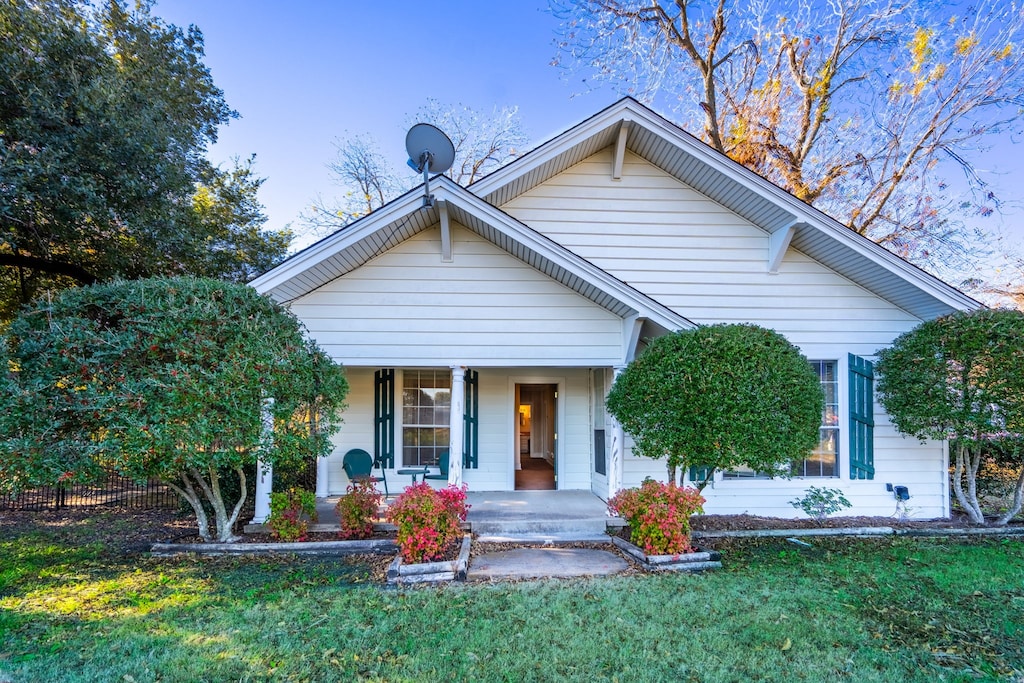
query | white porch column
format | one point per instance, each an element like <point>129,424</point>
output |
<point>455,425</point>
<point>265,471</point>
<point>617,449</point>
<point>321,477</point>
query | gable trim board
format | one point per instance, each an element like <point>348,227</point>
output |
<point>471,233</point>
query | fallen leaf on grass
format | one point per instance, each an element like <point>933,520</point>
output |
<point>787,645</point>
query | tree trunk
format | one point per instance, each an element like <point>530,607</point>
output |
<point>188,492</point>
<point>211,490</point>
<point>965,466</point>
<point>1018,501</point>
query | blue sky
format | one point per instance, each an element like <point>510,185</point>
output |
<point>304,74</point>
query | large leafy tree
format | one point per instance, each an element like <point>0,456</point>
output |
<point>718,397</point>
<point>483,141</point>
<point>961,377</point>
<point>850,105</point>
<point>180,379</point>
<point>105,118</point>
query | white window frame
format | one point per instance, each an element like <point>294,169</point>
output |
<point>400,424</point>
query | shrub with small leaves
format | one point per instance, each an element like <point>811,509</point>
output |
<point>428,520</point>
<point>819,503</point>
<point>357,509</point>
<point>658,515</point>
<point>290,514</point>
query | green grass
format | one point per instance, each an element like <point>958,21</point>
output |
<point>868,610</point>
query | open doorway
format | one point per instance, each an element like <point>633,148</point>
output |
<point>536,440</point>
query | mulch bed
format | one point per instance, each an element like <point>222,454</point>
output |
<point>130,531</point>
<point>751,522</point>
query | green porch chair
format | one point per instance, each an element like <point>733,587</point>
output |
<point>442,464</point>
<point>359,466</point>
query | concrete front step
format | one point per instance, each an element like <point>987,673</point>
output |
<point>543,530</point>
<point>536,525</point>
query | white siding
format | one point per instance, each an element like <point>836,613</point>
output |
<point>497,432</point>
<point>407,308</point>
<point>710,265</point>
<point>700,259</point>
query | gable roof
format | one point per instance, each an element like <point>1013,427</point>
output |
<point>788,220</point>
<point>400,219</point>
<point>738,189</point>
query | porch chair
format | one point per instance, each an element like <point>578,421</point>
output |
<point>359,465</point>
<point>442,464</point>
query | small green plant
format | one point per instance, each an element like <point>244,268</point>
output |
<point>819,503</point>
<point>290,514</point>
<point>357,510</point>
<point>428,520</point>
<point>658,515</point>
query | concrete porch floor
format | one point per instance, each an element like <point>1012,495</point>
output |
<point>521,515</point>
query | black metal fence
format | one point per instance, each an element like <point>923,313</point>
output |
<point>115,490</point>
<point>118,491</point>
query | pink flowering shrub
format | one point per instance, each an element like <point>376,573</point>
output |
<point>427,520</point>
<point>290,513</point>
<point>658,515</point>
<point>357,510</point>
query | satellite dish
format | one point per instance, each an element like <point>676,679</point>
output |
<point>430,151</point>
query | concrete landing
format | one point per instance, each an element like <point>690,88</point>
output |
<point>535,563</point>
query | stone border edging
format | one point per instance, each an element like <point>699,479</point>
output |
<point>431,572</point>
<point>687,562</point>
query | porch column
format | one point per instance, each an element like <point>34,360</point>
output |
<point>321,477</point>
<point>265,470</point>
<point>455,425</point>
<point>617,449</point>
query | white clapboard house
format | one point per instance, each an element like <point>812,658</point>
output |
<point>492,323</point>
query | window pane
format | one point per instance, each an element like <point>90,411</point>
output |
<point>426,398</point>
<point>822,460</point>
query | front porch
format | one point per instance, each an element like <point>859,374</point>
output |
<point>536,516</point>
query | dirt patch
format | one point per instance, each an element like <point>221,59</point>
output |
<point>120,531</point>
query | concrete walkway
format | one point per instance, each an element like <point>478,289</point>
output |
<point>535,563</point>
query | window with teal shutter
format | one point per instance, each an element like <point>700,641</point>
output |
<point>471,440</point>
<point>384,417</point>
<point>862,418</point>
<point>698,475</point>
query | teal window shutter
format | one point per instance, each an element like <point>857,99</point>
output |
<point>470,431</point>
<point>384,417</point>
<point>698,475</point>
<point>862,418</point>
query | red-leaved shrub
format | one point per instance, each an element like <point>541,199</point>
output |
<point>357,509</point>
<point>427,520</point>
<point>658,515</point>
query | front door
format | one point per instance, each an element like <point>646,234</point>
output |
<point>537,439</point>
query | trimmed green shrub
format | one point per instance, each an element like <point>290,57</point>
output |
<point>179,379</point>
<point>961,377</point>
<point>719,397</point>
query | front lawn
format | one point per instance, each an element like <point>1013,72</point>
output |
<point>865,610</point>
